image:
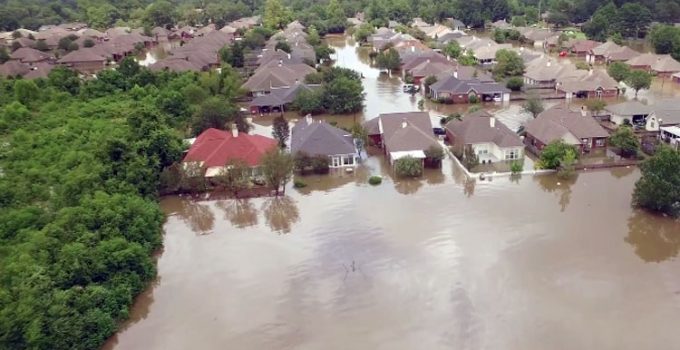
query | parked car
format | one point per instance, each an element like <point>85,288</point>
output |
<point>410,88</point>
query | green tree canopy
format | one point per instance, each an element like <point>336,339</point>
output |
<point>659,187</point>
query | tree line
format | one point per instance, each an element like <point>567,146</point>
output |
<point>80,170</point>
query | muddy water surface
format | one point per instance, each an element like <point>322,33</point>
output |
<point>435,263</point>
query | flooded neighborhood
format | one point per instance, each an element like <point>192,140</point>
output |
<point>438,262</point>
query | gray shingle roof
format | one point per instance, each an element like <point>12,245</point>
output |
<point>476,128</point>
<point>320,138</point>
<point>560,122</point>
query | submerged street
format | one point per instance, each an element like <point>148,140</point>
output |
<point>440,262</point>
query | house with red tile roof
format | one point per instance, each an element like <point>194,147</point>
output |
<point>214,150</point>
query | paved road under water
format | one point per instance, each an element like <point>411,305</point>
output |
<point>435,263</point>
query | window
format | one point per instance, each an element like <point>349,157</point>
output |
<point>348,160</point>
<point>599,142</point>
<point>512,154</point>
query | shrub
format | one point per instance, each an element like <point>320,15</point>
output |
<point>554,152</point>
<point>320,164</point>
<point>299,184</point>
<point>516,167</point>
<point>375,180</point>
<point>473,99</point>
<point>515,83</point>
<point>408,167</point>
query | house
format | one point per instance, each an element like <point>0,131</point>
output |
<point>214,151</point>
<point>85,61</point>
<point>490,139</point>
<point>665,66</point>
<point>402,134</point>
<point>537,36</point>
<point>278,100</point>
<point>581,48</point>
<point>544,72</point>
<point>279,76</point>
<point>449,37</point>
<point>39,70</point>
<point>665,113</point>
<point>595,83</point>
<point>456,24</point>
<point>13,69</point>
<point>409,62</point>
<point>175,65</point>
<point>487,54</point>
<point>622,55</point>
<point>676,77</point>
<point>632,111</point>
<point>599,53</point>
<point>576,128</point>
<point>30,56</point>
<point>429,68</point>
<point>500,24</point>
<point>450,88</point>
<point>318,138</point>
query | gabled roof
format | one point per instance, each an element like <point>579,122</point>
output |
<point>40,70</point>
<point>605,49</point>
<point>283,96</point>
<point>560,122</point>
<point>584,45</point>
<point>455,85</point>
<point>409,62</point>
<point>629,108</point>
<point>13,68</point>
<point>278,76</point>
<point>666,64</point>
<point>29,55</point>
<point>320,138</point>
<point>476,128</point>
<point>405,131</point>
<point>581,80</point>
<point>82,55</point>
<point>643,60</point>
<point>428,68</point>
<point>624,54</point>
<point>175,65</point>
<point>668,110</point>
<point>217,148</point>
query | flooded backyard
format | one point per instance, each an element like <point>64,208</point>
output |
<point>440,262</point>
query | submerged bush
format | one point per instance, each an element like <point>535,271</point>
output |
<point>375,180</point>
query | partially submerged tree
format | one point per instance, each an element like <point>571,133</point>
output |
<point>567,164</point>
<point>277,168</point>
<point>281,131</point>
<point>659,187</point>
<point>625,140</point>
<point>533,105</point>
<point>553,154</point>
<point>434,156</point>
<point>408,167</point>
<point>508,64</point>
<point>235,177</point>
<point>389,60</point>
<point>639,80</point>
<point>596,106</point>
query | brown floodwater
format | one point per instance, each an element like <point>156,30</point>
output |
<point>434,263</point>
<point>440,262</point>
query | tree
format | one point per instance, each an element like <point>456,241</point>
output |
<point>639,80</point>
<point>160,14</point>
<point>281,131</point>
<point>283,46</point>
<point>360,135</point>
<point>389,60</point>
<point>499,35</point>
<point>452,49</point>
<point>508,64</point>
<point>434,156</point>
<point>88,42</point>
<point>213,113</point>
<point>658,189</point>
<point>663,38</point>
<point>343,95</point>
<point>596,106</point>
<point>309,102</point>
<point>336,21</point>
<point>470,158</point>
<point>408,166</point>
<point>533,105</point>
<point>633,18</point>
<point>277,169</point>
<point>363,32</point>
<point>554,153</point>
<point>26,91</point>
<point>467,59</point>
<point>276,15</point>
<point>624,139</point>
<point>4,55</point>
<point>619,71</point>
<point>515,83</point>
<point>429,81</point>
<point>567,164</point>
<point>519,21</point>
<point>235,177</point>
<point>41,45</point>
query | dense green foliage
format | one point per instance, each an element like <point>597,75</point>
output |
<point>80,171</point>
<point>388,60</point>
<point>665,39</point>
<point>553,154</point>
<point>619,71</point>
<point>508,64</point>
<point>624,139</point>
<point>639,80</point>
<point>375,180</point>
<point>659,187</point>
<point>515,83</point>
<point>341,92</point>
<point>408,167</point>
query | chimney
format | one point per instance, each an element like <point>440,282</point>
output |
<point>234,131</point>
<point>492,122</point>
<point>404,123</point>
<point>583,111</point>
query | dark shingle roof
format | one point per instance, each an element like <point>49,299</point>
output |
<point>476,128</point>
<point>320,138</point>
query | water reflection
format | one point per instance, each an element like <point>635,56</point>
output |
<point>654,238</point>
<point>199,217</point>
<point>622,171</point>
<point>280,213</point>
<point>561,187</point>
<point>240,212</point>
